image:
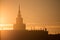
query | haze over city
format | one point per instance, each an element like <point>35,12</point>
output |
<point>34,12</point>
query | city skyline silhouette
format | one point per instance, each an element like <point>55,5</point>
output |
<point>29,20</point>
<point>33,15</point>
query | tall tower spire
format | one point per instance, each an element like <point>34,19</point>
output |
<point>19,21</point>
<point>19,15</point>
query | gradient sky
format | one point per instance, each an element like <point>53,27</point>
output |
<point>32,11</point>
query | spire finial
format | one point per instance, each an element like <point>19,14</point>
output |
<point>19,11</point>
<point>19,8</point>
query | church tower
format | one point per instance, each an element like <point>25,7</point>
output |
<point>19,22</point>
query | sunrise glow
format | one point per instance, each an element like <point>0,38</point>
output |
<point>6,26</point>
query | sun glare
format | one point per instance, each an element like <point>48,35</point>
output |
<point>6,26</point>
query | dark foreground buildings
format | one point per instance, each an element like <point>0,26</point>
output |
<point>19,32</point>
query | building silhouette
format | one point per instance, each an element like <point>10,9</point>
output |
<point>19,22</point>
<point>20,33</point>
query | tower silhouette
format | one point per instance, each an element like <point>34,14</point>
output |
<point>19,22</point>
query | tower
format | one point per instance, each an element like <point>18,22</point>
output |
<point>19,22</point>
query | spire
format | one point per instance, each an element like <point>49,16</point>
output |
<point>19,8</point>
<point>19,21</point>
<point>19,15</point>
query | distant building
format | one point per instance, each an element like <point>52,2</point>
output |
<point>20,33</point>
<point>19,22</point>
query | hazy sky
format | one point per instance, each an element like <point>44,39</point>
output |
<point>32,11</point>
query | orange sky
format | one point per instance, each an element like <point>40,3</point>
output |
<point>32,11</point>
